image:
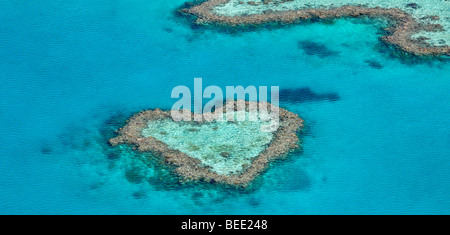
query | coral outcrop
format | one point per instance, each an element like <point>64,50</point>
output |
<point>283,140</point>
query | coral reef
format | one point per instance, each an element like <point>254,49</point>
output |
<point>399,34</point>
<point>193,168</point>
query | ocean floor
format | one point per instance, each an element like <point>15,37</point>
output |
<point>377,122</point>
<point>241,141</point>
<point>421,11</point>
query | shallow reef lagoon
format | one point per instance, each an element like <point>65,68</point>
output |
<point>223,146</point>
<point>419,10</point>
<point>377,123</point>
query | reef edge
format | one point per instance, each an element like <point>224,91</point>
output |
<point>398,33</point>
<point>189,168</point>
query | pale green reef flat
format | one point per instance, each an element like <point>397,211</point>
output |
<point>425,8</point>
<point>241,141</point>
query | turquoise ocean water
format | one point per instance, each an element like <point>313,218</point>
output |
<point>72,71</point>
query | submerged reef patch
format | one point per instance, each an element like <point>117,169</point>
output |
<point>374,64</point>
<point>305,94</point>
<point>313,48</point>
<point>225,152</point>
<point>412,32</point>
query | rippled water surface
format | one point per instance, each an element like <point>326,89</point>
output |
<point>377,127</point>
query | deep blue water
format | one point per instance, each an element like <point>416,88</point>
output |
<point>378,129</point>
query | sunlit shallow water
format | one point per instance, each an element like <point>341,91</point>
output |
<point>420,10</point>
<point>75,71</point>
<point>226,147</point>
